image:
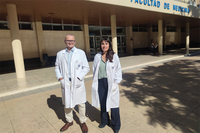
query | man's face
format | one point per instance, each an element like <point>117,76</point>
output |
<point>70,41</point>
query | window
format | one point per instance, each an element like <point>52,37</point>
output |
<point>46,26</point>
<point>60,24</point>
<point>143,28</point>
<point>154,28</point>
<point>25,23</point>
<point>3,25</point>
<point>25,26</point>
<point>57,27</point>
<point>77,28</point>
<point>139,28</point>
<point>106,30</point>
<point>171,29</point>
<point>68,27</point>
<point>94,30</point>
<point>182,29</point>
<point>121,31</point>
<point>135,28</point>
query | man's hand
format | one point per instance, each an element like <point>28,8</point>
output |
<point>60,79</point>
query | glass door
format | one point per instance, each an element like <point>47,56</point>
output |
<point>121,43</point>
<point>92,46</point>
<point>97,42</point>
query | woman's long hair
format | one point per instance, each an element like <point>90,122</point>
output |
<point>110,52</point>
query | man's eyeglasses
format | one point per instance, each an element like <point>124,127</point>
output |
<point>68,41</point>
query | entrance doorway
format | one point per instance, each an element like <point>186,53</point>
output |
<point>121,44</point>
<point>95,44</point>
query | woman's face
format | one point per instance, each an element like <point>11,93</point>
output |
<point>104,46</point>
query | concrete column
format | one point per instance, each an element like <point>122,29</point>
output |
<point>129,41</point>
<point>160,37</point>
<point>197,2</point>
<point>149,36</point>
<point>179,35</point>
<point>187,31</point>
<point>40,38</point>
<point>16,42</point>
<point>114,33</point>
<point>87,40</point>
<point>164,36</point>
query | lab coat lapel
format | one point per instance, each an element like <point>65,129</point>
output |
<point>64,55</point>
<point>74,54</point>
<point>72,63</point>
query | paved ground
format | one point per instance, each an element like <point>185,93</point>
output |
<point>158,94</point>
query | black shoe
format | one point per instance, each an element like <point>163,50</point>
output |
<point>102,125</point>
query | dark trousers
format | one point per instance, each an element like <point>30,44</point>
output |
<point>115,117</point>
<point>152,49</point>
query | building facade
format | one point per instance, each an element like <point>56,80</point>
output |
<point>31,29</point>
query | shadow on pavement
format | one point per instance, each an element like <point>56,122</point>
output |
<point>92,113</point>
<point>170,91</point>
<point>55,103</point>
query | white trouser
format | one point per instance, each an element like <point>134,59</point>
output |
<point>69,112</point>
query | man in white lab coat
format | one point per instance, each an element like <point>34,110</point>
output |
<point>71,66</point>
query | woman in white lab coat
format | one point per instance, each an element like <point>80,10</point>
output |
<point>105,90</point>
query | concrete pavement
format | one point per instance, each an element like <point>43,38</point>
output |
<point>45,77</point>
<point>158,94</point>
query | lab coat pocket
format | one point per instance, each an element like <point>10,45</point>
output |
<point>62,83</point>
<point>63,96</point>
<point>114,88</point>
<point>78,83</point>
<point>78,65</point>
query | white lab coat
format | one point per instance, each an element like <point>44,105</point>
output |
<point>114,76</point>
<point>79,68</point>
